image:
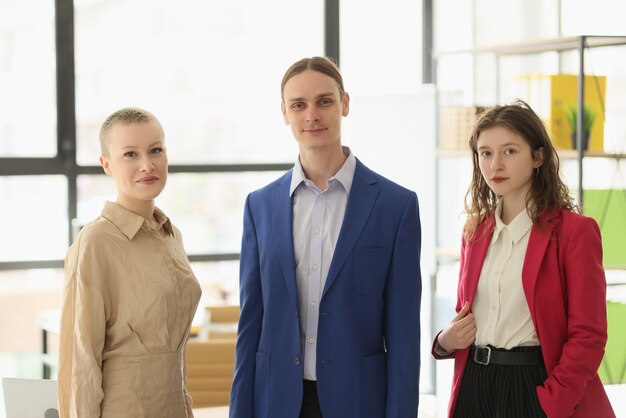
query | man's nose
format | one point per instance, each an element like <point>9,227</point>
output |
<point>312,116</point>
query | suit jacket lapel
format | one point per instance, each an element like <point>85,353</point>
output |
<point>361,200</point>
<point>282,216</point>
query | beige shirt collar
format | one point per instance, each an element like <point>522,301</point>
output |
<point>130,223</point>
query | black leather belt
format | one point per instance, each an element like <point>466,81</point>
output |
<point>489,355</point>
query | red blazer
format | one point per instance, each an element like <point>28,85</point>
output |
<point>565,288</point>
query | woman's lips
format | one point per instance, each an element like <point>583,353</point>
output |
<point>148,180</point>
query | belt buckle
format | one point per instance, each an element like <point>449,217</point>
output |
<point>482,349</point>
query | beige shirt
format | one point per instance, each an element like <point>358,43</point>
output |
<point>130,296</point>
<point>500,309</point>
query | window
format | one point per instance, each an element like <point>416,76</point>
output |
<point>209,71</point>
<point>27,70</point>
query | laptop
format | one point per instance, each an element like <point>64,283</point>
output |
<point>30,398</point>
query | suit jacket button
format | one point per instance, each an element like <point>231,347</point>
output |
<point>296,361</point>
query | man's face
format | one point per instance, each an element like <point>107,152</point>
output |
<point>313,107</point>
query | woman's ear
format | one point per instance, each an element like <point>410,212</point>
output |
<point>105,165</point>
<point>538,157</point>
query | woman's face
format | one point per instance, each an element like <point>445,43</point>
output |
<point>137,161</point>
<point>506,162</point>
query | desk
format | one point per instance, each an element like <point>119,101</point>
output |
<point>49,321</point>
<point>213,412</point>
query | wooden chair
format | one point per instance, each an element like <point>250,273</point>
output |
<point>210,367</point>
<point>220,322</point>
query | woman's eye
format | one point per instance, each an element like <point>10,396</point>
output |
<point>156,150</point>
<point>130,154</point>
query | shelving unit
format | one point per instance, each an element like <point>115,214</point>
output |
<point>445,255</point>
<point>579,43</point>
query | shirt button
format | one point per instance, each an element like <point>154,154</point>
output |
<point>311,340</point>
<point>296,361</point>
<point>316,230</point>
<point>313,304</point>
<point>315,267</point>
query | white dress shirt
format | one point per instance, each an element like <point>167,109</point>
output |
<point>500,308</point>
<point>317,218</point>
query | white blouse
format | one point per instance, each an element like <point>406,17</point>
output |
<point>500,308</point>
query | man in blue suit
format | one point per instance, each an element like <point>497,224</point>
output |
<point>329,275</point>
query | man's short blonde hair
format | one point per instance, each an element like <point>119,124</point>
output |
<point>125,116</point>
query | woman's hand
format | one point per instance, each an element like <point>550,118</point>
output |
<point>460,333</point>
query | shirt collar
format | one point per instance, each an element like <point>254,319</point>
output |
<point>518,227</point>
<point>345,175</point>
<point>130,223</point>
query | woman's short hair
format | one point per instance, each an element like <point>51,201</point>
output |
<point>125,116</point>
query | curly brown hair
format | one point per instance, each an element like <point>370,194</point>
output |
<point>547,194</point>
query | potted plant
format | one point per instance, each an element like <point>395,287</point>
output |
<point>589,117</point>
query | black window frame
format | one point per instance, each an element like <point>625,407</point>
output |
<point>65,164</point>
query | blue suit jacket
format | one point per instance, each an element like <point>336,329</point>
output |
<point>368,345</point>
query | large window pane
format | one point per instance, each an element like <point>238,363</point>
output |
<point>27,79</point>
<point>210,71</point>
<point>384,58</point>
<point>34,214</point>
<point>207,208</point>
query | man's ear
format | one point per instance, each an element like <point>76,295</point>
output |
<point>284,111</point>
<point>345,104</point>
<point>105,165</point>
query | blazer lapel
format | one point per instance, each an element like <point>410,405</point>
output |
<point>361,200</point>
<point>535,253</point>
<point>282,219</point>
<point>475,257</point>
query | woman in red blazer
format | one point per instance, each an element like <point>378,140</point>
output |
<point>531,325</point>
